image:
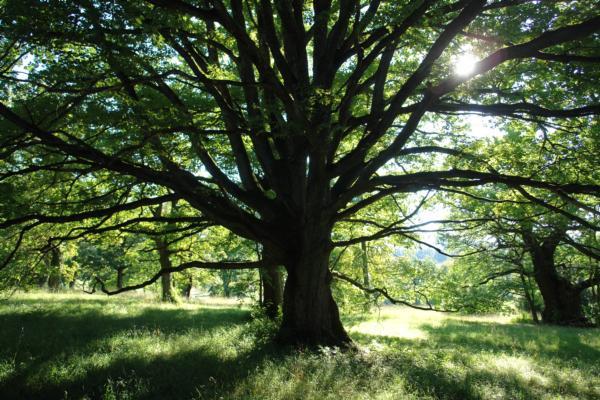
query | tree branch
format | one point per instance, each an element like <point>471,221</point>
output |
<point>384,293</point>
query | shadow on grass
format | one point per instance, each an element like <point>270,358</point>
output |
<point>76,348</point>
<point>71,327</point>
<point>539,341</point>
<point>199,373</point>
<point>461,359</point>
<point>39,339</point>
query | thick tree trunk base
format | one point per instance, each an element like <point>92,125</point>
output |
<point>575,323</point>
<point>310,315</point>
<point>562,318</point>
<point>562,303</point>
<point>168,299</point>
<point>562,300</point>
<point>310,338</point>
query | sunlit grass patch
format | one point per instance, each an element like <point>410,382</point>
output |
<point>405,322</point>
<point>78,346</point>
<point>487,356</point>
<point>400,322</point>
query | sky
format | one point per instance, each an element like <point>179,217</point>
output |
<point>480,127</point>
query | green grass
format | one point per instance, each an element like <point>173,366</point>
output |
<point>75,346</point>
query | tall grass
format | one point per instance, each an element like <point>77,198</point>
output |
<point>88,347</point>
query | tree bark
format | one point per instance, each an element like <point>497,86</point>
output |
<point>120,278</point>
<point>272,291</point>
<point>73,282</point>
<point>187,290</point>
<point>42,281</point>
<point>271,280</point>
<point>226,279</point>
<point>54,278</point>
<point>529,298</point>
<point>167,288</point>
<point>562,299</point>
<point>165,278</point>
<point>310,314</point>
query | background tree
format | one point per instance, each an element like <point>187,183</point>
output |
<point>536,236</point>
<point>112,259</point>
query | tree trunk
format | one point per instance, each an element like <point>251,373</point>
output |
<point>226,279</point>
<point>187,290</point>
<point>562,299</point>
<point>54,278</point>
<point>271,296</point>
<point>165,278</point>
<point>42,281</point>
<point>120,278</point>
<point>272,290</point>
<point>310,314</point>
<point>529,298</point>
<point>167,287</point>
<point>73,282</point>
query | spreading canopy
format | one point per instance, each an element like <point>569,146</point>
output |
<point>278,119</point>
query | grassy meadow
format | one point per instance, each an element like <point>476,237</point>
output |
<point>68,346</point>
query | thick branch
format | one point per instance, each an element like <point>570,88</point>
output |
<point>225,265</point>
<point>384,293</point>
<point>89,214</point>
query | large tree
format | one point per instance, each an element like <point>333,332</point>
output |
<point>529,234</point>
<point>278,119</point>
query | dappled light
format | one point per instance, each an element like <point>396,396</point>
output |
<point>91,346</point>
<point>289,200</point>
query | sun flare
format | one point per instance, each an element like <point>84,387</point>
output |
<point>465,64</point>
